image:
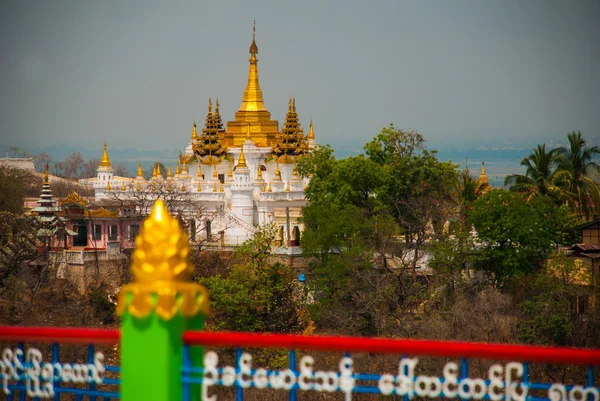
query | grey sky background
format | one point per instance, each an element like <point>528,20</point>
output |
<point>136,73</point>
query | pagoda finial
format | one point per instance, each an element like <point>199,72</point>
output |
<point>253,98</point>
<point>194,132</point>
<point>139,172</point>
<point>177,169</point>
<point>209,106</point>
<point>311,132</point>
<point>169,173</point>
<point>482,167</point>
<point>217,106</point>
<point>46,180</point>
<point>259,175</point>
<point>293,104</point>
<point>253,47</point>
<point>215,171</point>
<point>184,168</point>
<point>242,161</point>
<point>105,162</point>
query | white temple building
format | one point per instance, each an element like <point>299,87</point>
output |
<point>230,179</point>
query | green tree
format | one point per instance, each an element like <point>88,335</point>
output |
<point>549,314</point>
<point>541,176</point>
<point>517,236</point>
<point>257,295</point>
<point>577,170</point>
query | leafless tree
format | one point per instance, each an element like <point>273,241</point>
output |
<point>40,160</point>
<point>89,168</point>
<point>58,168</point>
<point>73,164</point>
<point>121,169</point>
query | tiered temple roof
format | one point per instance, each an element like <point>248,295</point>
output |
<point>291,142</point>
<point>210,148</point>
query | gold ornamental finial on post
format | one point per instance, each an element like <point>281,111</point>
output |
<point>160,263</point>
<point>46,179</point>
<point>157,308</point>
<point>194,131</point>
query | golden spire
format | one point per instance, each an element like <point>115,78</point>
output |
<point>177,169</point>
<point>153,188</point>
<point>221,189</point>
<point>230,172</point>
<point>194,132</point>
<point>311,132</point>
<point>242,161</point>
<point>123,186</point>
<point>46,180</point>
<point>482,177</point>
<point>269,189</point>
<point>200,171</point>
<point>287,187</point>
<point>217,106</point>
<point>277,172</point>
<point>182,187</point>
<point>138,188</point>
<point>105,160</point>
<point>199,187</point>
<point>215,187</point>
<point>253,99</point>
<point>209,106</point>
<point>184,168</point>
<point>108,186</point>
<point>154,171</point>
<point>295,174</point>
<point>259,172</point>
<point>215,171</point>
<point>139,172</point>
<point>263,187</point>
<point>169,173</point>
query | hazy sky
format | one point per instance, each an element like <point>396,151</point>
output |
<point>136,73</point>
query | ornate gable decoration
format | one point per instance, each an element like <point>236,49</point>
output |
<point>74,199</point>
<point>101,213</point>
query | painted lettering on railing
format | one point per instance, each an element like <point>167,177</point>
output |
<point>504,382</point>
<point>40,376</point>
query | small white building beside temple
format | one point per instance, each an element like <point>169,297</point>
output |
<point>230,179</point>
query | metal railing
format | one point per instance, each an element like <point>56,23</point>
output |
<point>25,375</point>
<point>512,380</point>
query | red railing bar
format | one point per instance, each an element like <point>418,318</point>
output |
<point>456,349</point>
<point>59,335</point>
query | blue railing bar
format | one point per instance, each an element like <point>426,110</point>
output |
<point>590,376</point>
<point>239,391</point>
<point>92,385</point>
<point>113,368</point>
<point>292,365</point>
<point>56,359</point>
<point>78,397</point>
<point>366,389</point>
<point>186,363</point>
<point>21,346</point>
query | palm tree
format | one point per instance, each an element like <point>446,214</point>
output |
<point>540,177</point>
<point>576,169</point>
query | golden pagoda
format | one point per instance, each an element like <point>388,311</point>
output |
<point>291,142</point>
<point>252,111</point>
<point>105,162</point>
<point>483,179</point>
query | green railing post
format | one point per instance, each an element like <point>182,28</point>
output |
<point>156,308</point>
